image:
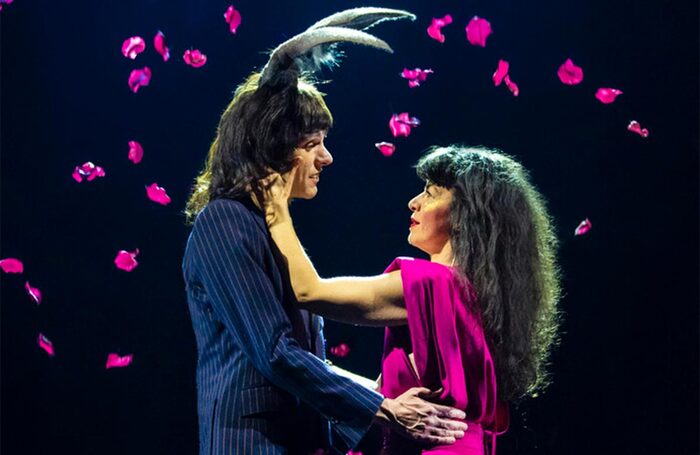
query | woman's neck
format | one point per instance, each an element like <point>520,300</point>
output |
<point>445,256</point>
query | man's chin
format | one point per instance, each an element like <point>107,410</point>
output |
<point>308,194</point>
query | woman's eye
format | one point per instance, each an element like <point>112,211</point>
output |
<point>310,145</point>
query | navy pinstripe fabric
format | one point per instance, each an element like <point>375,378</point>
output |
<point>260,386</point>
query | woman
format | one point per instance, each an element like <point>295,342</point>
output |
<point>481,314</point>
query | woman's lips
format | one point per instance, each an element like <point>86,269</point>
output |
<point>413,223</point>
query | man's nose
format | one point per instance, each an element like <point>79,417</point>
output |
<point>324,158</point>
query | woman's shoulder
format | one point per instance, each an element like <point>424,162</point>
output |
<point>422,269</point>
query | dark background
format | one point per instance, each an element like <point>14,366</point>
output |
<point>626,373</point>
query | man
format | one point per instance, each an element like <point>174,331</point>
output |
<point>263,386</point>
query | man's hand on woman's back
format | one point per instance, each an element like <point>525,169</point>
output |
<point>412,416</point>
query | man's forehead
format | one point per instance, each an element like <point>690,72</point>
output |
<point>316,133</point>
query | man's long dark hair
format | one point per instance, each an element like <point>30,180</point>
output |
<point>504,243</point>
<point>257,134</point>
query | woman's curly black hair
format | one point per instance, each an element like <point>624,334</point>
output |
<point>257,134</point>
<point>503,241</point>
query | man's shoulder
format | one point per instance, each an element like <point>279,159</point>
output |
<point>224,209</point>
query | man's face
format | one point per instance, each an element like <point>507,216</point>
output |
<point>314,156</point>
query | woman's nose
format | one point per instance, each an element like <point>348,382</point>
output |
<point>413,204</point>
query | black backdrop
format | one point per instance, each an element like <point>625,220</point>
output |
<point>625,376</point>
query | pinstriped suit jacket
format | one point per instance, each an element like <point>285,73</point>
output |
<point>261,385</point>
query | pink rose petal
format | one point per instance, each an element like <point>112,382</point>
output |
<point>512,86</point>
<point>478,30</point>
<point>569,73</point>
<point>157,194</point>
<point>352,452</point>
<point>435,29</point>
<point>607,95</point>
<point>583,227</point>
<point>139,78</point>
<point>5,2</point>
<point>500,73</point>
<point>233,18</point>
<point>415,76</point>
<point>87,171</point>
<point>342,350</point>
<point>126,260</point>
<point>133,46</point>
<point>400,124</point>
<point>161,48</point>
<point>11,265</point>
<point>135,152</point>
<point>194,58</point>
<point>46,345</point>
<point>34,293</point>
<point>387,148</point>
<point>635,127</point>
<point>115,361</point>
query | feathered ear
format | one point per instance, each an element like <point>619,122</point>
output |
<point>313,48</point>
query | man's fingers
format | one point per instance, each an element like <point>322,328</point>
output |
<point>449,412</point>
<point>454,425</point>
<point>437,440</point>
<point>445,427</point>
<point>423,392</point>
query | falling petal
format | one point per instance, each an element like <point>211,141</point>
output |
<point>5,2</point>
<point>161,48</point>
<point>115,361</point>
<point>398,128</point>
<point>139,78</point>
<point>400,124</point>
<point>635,127</point>
<point>607,95</point>
<point>194,58</point>
<point>135,152</point>
<point>76,175</point>
<point>569,73</point>
<point>583,227</point>
<point>512,86</point>
<point>387,148</point>
<point>11,265</point>
<point>157,194</point>
<point>126,260</point>
<point>133,46</point>
<point>500,73</point>
<point>352,452</point>
<point>435,29</point>
<point>87,171</point>
<point>415,76</point>
<point>341,350</point>
<point>34,293</point>
<point>233,18</point>
<point>46,345</point>
<point>412,121</point>
<point>478,30</point>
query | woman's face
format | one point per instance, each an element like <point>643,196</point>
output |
<point>430,221</point>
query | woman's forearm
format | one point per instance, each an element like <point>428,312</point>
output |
<point>302,273</point>
<point>370,301</point>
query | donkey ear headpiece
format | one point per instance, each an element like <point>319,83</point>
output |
<point>309,50</point>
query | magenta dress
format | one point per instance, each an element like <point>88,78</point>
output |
<point>445,335</point>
